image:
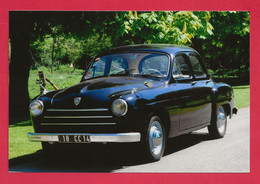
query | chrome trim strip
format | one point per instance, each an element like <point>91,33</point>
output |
<point>87,117</point>
<point>116,137</point>
<point>56,95</point>
<point>74,124</point>
<point>77,110</point>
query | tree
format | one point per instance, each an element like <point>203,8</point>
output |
<point>158,27</point>
<point>25,27</point>
<point>55,37</point>
<point>55,27</point>
<point>227,51</point>
<point>21,25</point>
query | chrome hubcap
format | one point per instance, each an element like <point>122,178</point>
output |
<point>156,138</point>
<point>221,121</point>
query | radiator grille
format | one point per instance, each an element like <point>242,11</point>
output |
<point>78,117</point>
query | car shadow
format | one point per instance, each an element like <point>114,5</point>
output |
<point>185,141</point>
<point>104,158</point>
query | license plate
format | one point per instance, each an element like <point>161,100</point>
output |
<point>74,139</point>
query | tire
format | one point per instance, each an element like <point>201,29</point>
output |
<point>218,126</point>
<point>155,139</point>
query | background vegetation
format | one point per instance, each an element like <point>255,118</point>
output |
<point>58,39</point>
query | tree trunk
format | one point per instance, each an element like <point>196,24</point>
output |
<point>20,29</point>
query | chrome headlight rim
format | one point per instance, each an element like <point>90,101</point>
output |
<point>40,111</point>
<point>124,103</point>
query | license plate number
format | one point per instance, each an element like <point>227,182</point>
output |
<point>74,138</point>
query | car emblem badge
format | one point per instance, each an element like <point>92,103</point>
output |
<point>77,100</point>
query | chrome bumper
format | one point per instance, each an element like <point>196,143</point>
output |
<point>117,137</point>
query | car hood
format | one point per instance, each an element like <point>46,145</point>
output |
<point>95,92</point>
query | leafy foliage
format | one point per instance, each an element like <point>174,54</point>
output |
<point>225,47</point>
<point>227,51</point>
<point>158,27</point>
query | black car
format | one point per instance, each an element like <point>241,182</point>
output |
<point>140,93</point>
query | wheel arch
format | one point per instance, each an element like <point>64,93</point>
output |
<point>163,114</point>
<point>222,96</point>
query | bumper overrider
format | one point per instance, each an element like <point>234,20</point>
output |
<point>81,137</point>
<point>234,110</point>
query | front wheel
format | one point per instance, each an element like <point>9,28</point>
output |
<point>155,139</point>
<point>218,126</point>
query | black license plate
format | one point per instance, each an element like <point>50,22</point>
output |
<point>74,138</point>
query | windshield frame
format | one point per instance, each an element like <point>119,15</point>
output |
<point>128,74</point>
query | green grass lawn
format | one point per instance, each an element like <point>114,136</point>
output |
<point>18,142</point>
<point>63,78</point>
<point>242,96</point>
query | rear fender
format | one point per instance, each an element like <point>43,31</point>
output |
<point>222,95</point>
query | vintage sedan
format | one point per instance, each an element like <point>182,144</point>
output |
<point>140,93</point>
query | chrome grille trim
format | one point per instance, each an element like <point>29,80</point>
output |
<point>82,117</point>
<point>75,124</point>
<point>77,110</point>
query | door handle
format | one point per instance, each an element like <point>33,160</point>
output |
<point>193,83</point>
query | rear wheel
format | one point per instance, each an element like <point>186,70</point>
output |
<point>155,139</point>
<point>218,126</point>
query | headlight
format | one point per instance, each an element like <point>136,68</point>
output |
<point>36,107</point>
<point>119,107</point>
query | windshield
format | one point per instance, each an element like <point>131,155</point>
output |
<point>148,64</point>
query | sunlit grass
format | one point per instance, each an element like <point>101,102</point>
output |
<point>18,142</point>
<point>62,78</point>
<point>242,96</point>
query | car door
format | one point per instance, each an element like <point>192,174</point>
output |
<point>203,85</point>
<point>187,91</point>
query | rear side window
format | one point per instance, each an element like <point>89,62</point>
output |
<point>198,70</point>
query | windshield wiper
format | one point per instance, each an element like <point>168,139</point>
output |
<point>123,72</point>
<point>150,74</point>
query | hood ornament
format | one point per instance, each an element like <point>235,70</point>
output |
<point>77,100</point>
<point>148,83</point>
<point>134,90</point>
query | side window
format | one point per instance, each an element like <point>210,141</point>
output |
<point>197,68</point>
<point>180,68</point>
<point>118,64</point>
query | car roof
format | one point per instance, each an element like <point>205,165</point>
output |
<point>165,48</point>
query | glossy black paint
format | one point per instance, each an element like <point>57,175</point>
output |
<point>184,105</point>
